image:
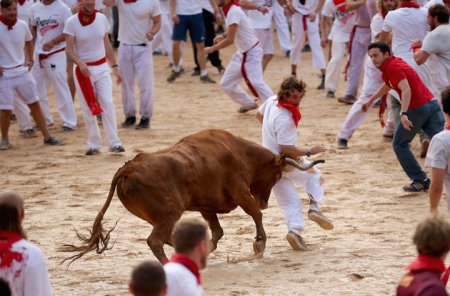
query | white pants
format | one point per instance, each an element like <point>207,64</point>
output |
<point>164,36</point>
<point>298,38</point>
<point>136,61</point>
<point>101,81</point>
<point>22,113</point>
<point>338,50</point>
<point>288,199</point>
<point>281,22</point>
<point>360,42</point>
<point>54,72</point>
<point>265,37</point>
<point>233,76</point>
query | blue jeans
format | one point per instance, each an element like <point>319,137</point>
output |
<point>430,119</point>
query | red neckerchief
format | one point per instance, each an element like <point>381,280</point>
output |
<point>341,5</point>
<point>425,262</point>
<point>82,16</point>
<point>383,14</point>
<point>10,26</point>
<point>296,115</point>
<point>7,255</point>
<point>129,1</point>
<point>447,126</point>
<point>227,6</point>
<point>409,4</point>
<point>21,2</point>
<point>188,263</point>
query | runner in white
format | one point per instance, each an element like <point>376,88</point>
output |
<point>282,26</point>
<point>246,63</point>
<point>47,23</point>
<point>140,20</point>
<point>16,58</point>
<point>339,36</point>
<point>89,47</point>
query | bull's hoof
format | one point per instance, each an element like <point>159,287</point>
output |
<point>259,247</point>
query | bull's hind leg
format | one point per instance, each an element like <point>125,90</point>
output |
<point>160,234</point>
<point>216,229</point>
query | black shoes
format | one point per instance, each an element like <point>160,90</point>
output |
<point>417,186</point>
<point>129,121</point>
<point>144,123</point>
<point>342,143</point>
<point>322,82</point>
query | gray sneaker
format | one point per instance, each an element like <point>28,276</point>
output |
<point>320,219</point>
<point>117,149</point>
<point>243,109</point>
<point>4,144</point>
<point>54,141</point>
<point>207,79</point>
<point>296,241</point>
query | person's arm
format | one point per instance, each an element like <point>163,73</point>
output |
<point>155,27</point>
<point>315,13</point>
<point>53,42</point>
<point>421,57</point>
<point>217,13</point>
<point>381,91</point>
<point>70,50</point>
<point>109,3</point>
<point>260,117</point>
<point>436,187</point>
<point>111,58</point>
<point>403,85</point>
<point>173,11</point>
<point>385,37</point>
<point>295,152</point>
<point>352,5</point>
<point>29,51</point>
<point>33,31</point>
<point>253,6</point>
<point>324,24</point>
<point>226,40</point>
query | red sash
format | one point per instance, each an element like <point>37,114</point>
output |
<point>9,25</point>
<point>43,56</point>
<point>188,263</point>
<point>305,22</point>
<point>87,89</point>
<point>244,73</point>
<point>7,255</point>
<point>296,115</point>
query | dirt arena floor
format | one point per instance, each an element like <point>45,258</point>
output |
<point>364,255</point>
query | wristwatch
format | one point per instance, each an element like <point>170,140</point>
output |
<point>403,113</point>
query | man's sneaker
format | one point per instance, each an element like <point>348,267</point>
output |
<point>306,48</point>
<point>129,121</point>
<point>196,72</point>
<point>388,136</point>
<point>173,75</point>
<point>144,123</point>
<point>221,70</point>
<point>4,144</point>
<point>417,186</point>
<point>320,219</point>
<point>52,140</point>
<point>348,99</point>
<point>207,79</point>
<point>322,82</point>
<point>296,241</point>
<point>28,133</point>
<point>287,54</point>
<point>66,128</point>
<point>13,117</point>
<point>117,149</point>
<point>330,94</point>
<point>243,109</point>
<point>342,143</point>
<point>424,148</point>
<point>92,151</point>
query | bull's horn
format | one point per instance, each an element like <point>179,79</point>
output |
<point>292,162</point>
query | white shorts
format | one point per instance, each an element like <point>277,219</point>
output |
<point>23,85</point>
<point>265,37</point>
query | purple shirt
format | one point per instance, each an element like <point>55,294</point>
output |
<point>421,283</point>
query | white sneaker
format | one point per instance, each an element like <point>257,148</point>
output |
<point>296,241</point>
<point>320,219</point>
<point>4,144</point>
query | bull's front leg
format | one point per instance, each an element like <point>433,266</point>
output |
<point>248,204</point>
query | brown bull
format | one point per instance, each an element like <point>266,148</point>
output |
<point>210,172</point>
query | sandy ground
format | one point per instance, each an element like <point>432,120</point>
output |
<point>364,255</point>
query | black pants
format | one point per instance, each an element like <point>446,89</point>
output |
<point>210,34</point>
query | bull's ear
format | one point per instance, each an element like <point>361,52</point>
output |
<point>279,160</point>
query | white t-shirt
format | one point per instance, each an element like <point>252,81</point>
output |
<point>438,42</point>
<point>49,21</point>
<point>343,21</point>
<point>136,20</point>
<point>23,11</point>
<point>258,19</point>
<point>245,37</point>
<point>27,275</point>
<point>98,4</point>
<point>278,127</point>
<point>376,26</point>
<point>306,9</point>
<point>181,281</point>
<point>205,4</point>
<point>187,7</point>
<point>407,25</point>
<point>89,44</point>
<point>12,42</point>
<point>438,156</point>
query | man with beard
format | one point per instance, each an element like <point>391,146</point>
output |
<point>279,116</point>
<point>16,59</point>
<point>89,47</point>
<point>419,110</point>
<point>191,240</point>
<point>438,40</point>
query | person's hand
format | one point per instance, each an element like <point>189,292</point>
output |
<point>288,11</point>
<point>365,107</point>
<point>208,50</point>
<point>150,36</point>
<point>218,17</point>
<point>407,125</point>
<point>323,42</point>
<point>316,149</point>
<point>1,71</point>
<point>116,73</point>
<point>175,18</point>
<point>49,45</point>
<point>312,16</point>
<point>84,68</point>
<point>219,39</point>
<point>29,64</point>
<point>263,9</point>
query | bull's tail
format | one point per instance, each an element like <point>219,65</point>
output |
<point>99,237</point>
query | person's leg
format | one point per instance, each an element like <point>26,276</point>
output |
<point>436,121</point>
<point>210,33</point>
<point>298,38</point>
<point>360,43</point>
<point>127,70</point>
<point>5,122</point>
<point>70,81</point>
<point>287,198</point>
<point>264,37</point>
<point>42,82</point>
<point>254,72</point>
<point>144,71</point>
<point>318,58</point>
<point>23,115</point>
<point>334,66</point>
<point>39,118</point>
<point>282,25</point>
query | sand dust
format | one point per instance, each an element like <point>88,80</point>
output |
<point>364,255</point>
